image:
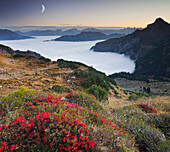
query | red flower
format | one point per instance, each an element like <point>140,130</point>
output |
<point>33,107</point>
<point>31,119</point>
<point>6,147</point>
<point>87,131</point>
<point>4,125</point>
<point>3,143</point>
<point>1,148</point>
<point>91,144</point>
<point>87,138</point>
<point>30,136</point>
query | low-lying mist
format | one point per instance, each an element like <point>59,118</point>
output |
<point>75,51</point>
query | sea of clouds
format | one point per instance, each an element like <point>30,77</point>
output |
<point>108,63</point>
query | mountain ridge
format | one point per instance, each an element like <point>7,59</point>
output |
<point>74,31</point>
<point>6,34</point>
<point>141,46</point>
<point>145,37</point>
<point>87,36</point>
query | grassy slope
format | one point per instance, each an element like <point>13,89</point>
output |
<point>118,124</point>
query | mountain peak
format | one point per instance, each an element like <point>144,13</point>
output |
<point>159,27</point>
<point>160,21</point>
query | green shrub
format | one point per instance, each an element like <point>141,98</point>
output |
<point>19,55</point>
<point>67,64</point>
<point>133,97</point>
<point>30,57</point>
<point>17,99</point>
<point>60,89</point>
<point>45,59</point>
<point>161,121</point>
<point>96,79</point>
<point>85,100</point>
<point>78,88</point>
<point>98,92</point>
<point>80,73</point>
<point>148,137</point>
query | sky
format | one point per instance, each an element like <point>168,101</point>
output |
<point>98,13</point>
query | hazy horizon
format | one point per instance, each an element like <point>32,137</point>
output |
<point>91,13</point>
<point>63,28</point>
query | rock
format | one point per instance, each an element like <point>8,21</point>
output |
<point>73,77</point>
<point>68,81</point>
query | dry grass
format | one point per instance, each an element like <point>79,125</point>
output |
<point>32,73</point>
<point>16,72</point>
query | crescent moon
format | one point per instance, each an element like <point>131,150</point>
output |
<point>43,8</point>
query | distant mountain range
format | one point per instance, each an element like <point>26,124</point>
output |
<point>9,35</point>
<point>74,31</point>
<point>88,36</point>
<point>150,48</point>
<point>50,32</point>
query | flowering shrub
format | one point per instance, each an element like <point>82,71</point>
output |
<point>147,108</point>
<point>5,147</point>
<point>52,124</point>
<point>50,132</point>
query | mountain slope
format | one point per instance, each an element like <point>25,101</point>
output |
<point>76,118</point>
<point>150,48</point>
<point>138,44</point>
<point>155,63</point>
<point>9,35</point>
